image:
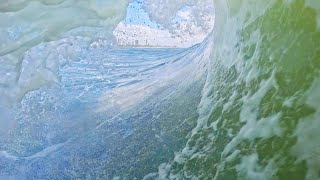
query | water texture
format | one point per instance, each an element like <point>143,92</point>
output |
<point>243,104</point>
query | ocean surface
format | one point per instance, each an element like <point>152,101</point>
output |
<point>242,105</point>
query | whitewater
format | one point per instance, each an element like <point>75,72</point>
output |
<point>242,104</point>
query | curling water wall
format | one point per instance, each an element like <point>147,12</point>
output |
<point>259,112</point>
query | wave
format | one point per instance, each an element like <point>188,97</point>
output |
<point>243,104</point>
<point>36,30</point>
<point>259,112</point>
<point>113,108</point>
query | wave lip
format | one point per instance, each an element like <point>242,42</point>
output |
<point>243,104</point>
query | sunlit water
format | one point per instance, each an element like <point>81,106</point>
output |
<point>113,113</point>
<point>243,104</point>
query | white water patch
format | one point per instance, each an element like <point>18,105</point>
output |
<point>250,168</point>
<point>254,128</point>
<point>307,132</point>
<point>307,147</point>
<point>289,101</point>
<point>251,103</point>
<point>7,156</point>
<point>313,95</point>
<point>45,152</point>
<point>264,128</point>
<point>39,67</point>
<point>36,35</point>
<point>315,4</point>
<point>37,22</point>
<point>166,12</point>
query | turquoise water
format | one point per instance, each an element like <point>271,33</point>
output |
<point>243,104</point>
<point>113,113</point>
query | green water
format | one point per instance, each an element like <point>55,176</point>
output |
<point>265,96</point>
<point>249,112</point>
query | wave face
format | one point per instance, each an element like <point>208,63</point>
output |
<point>259,113</point>
<point>243,104</point>
<point>113,113</point>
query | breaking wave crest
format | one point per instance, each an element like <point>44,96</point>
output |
<point>243,104</point>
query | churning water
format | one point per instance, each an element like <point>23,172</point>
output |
<point>243,104</point>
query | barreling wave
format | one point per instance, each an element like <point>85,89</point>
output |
<point>259,112</point>
<point>243,104</point>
